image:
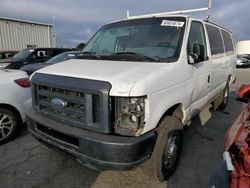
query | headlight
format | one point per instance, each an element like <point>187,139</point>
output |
<point>3,65</point>
<point>129,115</point>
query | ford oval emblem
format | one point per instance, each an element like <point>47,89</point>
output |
<point>58,103</point>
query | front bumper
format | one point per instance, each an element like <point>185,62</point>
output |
<point>95,150</point>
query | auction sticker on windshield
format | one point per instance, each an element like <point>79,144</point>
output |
<point>172,23</point>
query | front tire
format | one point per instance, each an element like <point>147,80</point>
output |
<point>8,125</point>
<point>167,150</point>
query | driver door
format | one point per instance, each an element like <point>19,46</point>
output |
<point>201,68</point>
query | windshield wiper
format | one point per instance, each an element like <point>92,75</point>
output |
<point>140,55</point>
<point>88,53</point>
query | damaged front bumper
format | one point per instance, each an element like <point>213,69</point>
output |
<point>95,150</point>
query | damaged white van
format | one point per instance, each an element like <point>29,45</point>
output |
<point>125,99</point>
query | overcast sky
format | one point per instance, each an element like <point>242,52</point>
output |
<point>77,20</point>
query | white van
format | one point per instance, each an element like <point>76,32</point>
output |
<point>125,99</point>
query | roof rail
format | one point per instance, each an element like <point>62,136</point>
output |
<point>174,12</point>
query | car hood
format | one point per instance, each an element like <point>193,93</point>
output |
<point>122,75</point>
<point>6,74</point>
<point>235,130</point>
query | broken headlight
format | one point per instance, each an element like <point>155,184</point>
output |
<point>129,115</point>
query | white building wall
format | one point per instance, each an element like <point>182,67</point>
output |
<point>17,35</point>
<point>243,47</point>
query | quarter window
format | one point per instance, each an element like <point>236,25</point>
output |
<point>229,47</point>
<point>215,40</point>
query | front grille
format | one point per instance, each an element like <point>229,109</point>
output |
<point>85,102</point>
<point>75,112</point>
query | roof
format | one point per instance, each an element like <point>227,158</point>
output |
<point>162,15</point>
<point>25,21</point>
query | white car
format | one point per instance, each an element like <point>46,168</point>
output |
<point>126,98</point>
<point>15,95</point>
<point>242,62</point>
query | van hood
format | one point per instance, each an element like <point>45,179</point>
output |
<point>122,75</point>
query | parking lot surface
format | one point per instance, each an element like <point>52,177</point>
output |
<point>25,163</point>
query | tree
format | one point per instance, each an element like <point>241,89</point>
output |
<point>81,46</point>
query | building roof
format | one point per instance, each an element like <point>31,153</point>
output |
<point>25,21</point>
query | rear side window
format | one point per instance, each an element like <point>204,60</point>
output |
<point>215,40</point>
<point>229,47</point>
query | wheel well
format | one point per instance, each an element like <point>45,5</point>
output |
<point>175,111</point>
<point>13,109</point>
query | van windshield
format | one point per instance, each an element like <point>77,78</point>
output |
<point>23,54</point>
<point>147,39</point>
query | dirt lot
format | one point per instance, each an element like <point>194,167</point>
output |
<point>25,163</point>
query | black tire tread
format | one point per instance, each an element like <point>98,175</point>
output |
<point>223,105</point>
<point>152,167</point>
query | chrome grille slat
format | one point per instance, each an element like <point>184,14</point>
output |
<point>61,118</point>
<point>62,96</point>
<point>66,110</point>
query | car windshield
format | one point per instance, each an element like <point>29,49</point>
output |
<point>62,57</point>
<point>23,54</point>
<point>148,39</point>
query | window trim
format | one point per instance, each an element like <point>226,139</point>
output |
<point>219,55</point>
<point>231,52</point>
<point>205,37</point>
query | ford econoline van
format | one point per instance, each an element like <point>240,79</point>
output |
<point>124,101</point>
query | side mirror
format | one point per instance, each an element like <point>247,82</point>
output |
<point>198,54</point>
<point>243,93</point>
<point>193,58</point>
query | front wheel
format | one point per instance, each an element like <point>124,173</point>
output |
<point>167,150</point>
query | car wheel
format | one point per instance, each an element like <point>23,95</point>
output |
<point>167,150</point>
<point>8,125</point>
<point>224,102</point>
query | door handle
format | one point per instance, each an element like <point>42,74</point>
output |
<point>208,78</point>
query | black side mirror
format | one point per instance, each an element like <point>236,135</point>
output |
<point>198,54</point>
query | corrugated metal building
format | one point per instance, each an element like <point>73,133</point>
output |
<point>19,34</point>
<point>243,47</point>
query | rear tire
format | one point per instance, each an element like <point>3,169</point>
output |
<point>8,125</point>
<point>167,150</point>
<point>224,102</point>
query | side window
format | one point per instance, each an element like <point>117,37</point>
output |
<point>197,41</point>
<point>215,40</point>
<point>229,47</point>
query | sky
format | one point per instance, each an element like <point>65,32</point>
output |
<point>77,20</point>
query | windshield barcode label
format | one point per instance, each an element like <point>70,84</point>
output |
<point>172,23</point>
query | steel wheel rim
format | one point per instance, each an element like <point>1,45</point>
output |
<point>6,125</point>
<point>171,151</point>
